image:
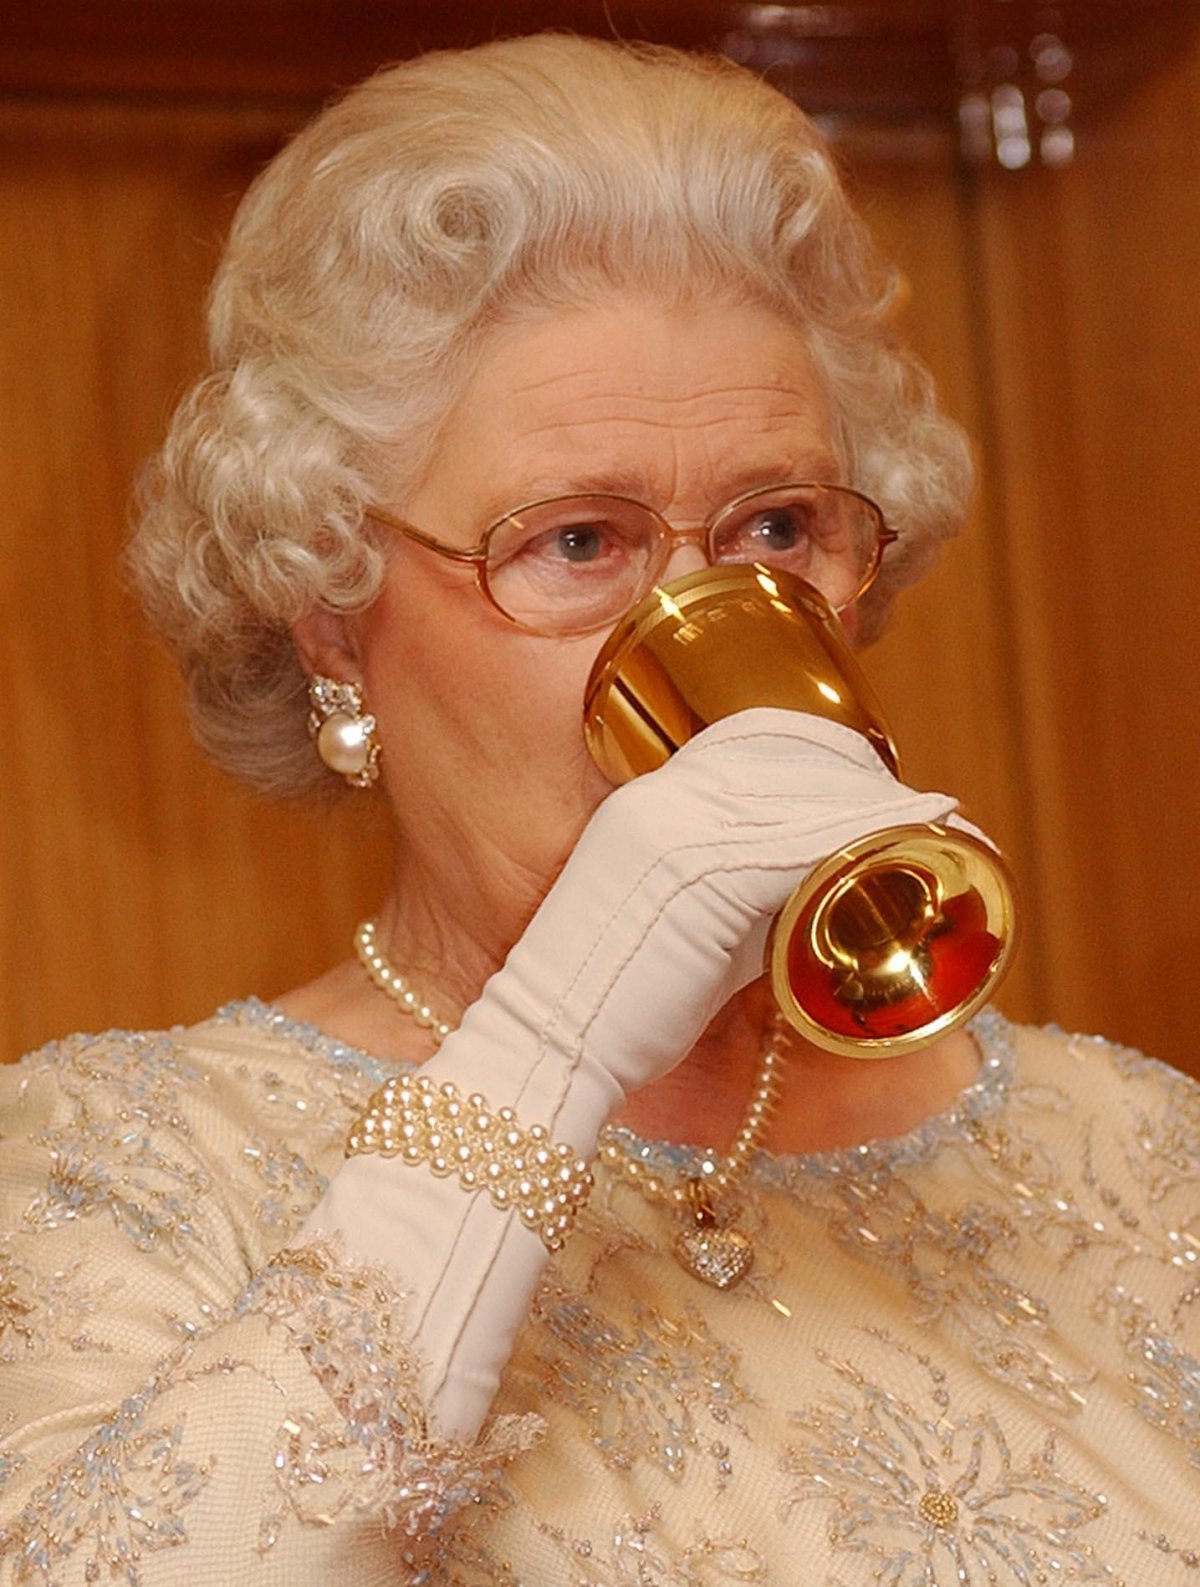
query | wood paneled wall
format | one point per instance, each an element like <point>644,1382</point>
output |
<point>1072,643</point>
<point>139,885</point>
<point>1043,671</point>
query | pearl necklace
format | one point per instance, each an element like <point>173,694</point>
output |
<point>714,1252</point>
<point>388,979</point>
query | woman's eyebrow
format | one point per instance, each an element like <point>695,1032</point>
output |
<point>819,467</point>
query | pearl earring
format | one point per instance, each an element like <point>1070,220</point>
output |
<point>343,730</point>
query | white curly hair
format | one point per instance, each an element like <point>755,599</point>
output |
<point>372,256</point>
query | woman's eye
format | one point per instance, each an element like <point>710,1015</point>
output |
<point>783,533</point>
<point>579,548</point>
<point>778,530</point>
<point>582,542</point>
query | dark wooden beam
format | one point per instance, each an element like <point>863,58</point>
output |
<point>860,60</point>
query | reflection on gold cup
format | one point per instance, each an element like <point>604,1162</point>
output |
<point>712,643</point>
<point>897,938</point>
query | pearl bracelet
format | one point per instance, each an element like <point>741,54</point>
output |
<point>421,1121</point>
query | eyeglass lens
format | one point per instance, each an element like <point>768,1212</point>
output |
<point>573,564</point>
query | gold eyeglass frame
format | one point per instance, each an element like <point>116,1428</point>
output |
<point>477,556</point>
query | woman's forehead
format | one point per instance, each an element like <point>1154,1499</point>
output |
<point>626,398</point>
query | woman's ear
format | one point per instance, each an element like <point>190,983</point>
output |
<point>327,643</point>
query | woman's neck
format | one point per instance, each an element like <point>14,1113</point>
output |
<point>826,1101</point>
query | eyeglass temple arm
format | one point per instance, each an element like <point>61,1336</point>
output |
<point>411,533</point>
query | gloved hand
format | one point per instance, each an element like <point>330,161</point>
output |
<point>660,915</point>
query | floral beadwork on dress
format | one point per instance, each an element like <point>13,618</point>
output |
<point>124,1149</point>
<point>966,1257</point>
<point>967,1357</point>
<point>1163,1376</point>
<point>348,1320</point>
<point>291,1187</point>
<point>903,1484</point>
<point>40,1310</point>
<point>633,1556</point>
<point>654,1388</point>
<point>121,1495</point>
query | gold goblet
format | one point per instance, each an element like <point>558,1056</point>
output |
<point>897,938</point>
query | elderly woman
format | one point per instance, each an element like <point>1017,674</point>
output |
<point>525,1246</point>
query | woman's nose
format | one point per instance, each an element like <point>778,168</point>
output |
<point>688,554</point>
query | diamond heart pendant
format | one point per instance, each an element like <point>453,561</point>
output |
<point>718,1256</point>
<point>721,1257</point>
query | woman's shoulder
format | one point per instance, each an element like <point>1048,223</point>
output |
<point>1105,1103</point>
<point>219,1135</point>
<point>1096,1067</point>
<point>238,1086</point>
<point>246,1032</point>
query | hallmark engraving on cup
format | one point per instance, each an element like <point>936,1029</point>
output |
<point>687,633</point>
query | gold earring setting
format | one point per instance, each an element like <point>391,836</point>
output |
<point>343,730</point>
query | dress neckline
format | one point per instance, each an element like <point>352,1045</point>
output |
<point>982,1098</point>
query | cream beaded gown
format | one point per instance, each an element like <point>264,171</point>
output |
<point>969,1355</point>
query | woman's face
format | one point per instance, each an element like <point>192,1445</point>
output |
<point>481,723</point>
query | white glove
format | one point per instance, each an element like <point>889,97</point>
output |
<point>659,916</point>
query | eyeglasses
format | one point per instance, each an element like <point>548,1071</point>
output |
<point>575,564</point>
